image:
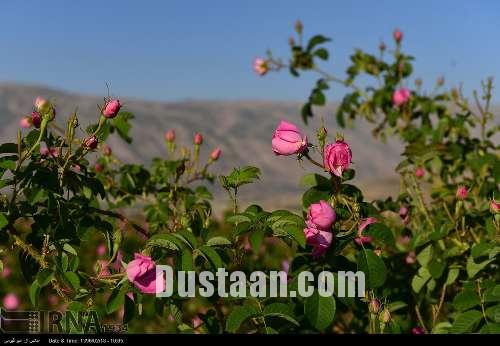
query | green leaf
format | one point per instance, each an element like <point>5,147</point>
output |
<point>473,268</point>
<point>34,293</point>
<point>419,280</point>
<point>320,311</point>
<point>3,221</point>
<point>8,148</point>
<point>373,267</point>
<point>316,40</point>
<point>466,300</point>
<point>211,256</point>
<point>282,316</point>
<point>321,53</point>
<point>425,256</point>
<point>255,239</point>
<point>218,241</point>
<point>452,276</point>
<point>187,260</point>
<point>466,322</point>
<point>240,176</point>
<point>72,279</point>
<point>380,232</point>
<point>68,248</point>
<point>239,315</point>
<point>115,301</point>
<point>44,277</point>
<point>165,241</point>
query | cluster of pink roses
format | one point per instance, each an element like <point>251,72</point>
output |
<point>318,231</point>
<point>289,140</point>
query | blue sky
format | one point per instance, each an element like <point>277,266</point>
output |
<point>175,50</point>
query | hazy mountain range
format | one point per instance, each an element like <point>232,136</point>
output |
<point>243,130</point>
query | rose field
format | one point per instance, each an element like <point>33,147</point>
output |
<point>82,229</point>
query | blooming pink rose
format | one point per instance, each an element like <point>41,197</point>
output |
<point>337,157</point>
<point>91,142</point>
<point>170,136</point>
<point>198,138</point>
<point>494,206</point>
<point>362,239</point>
<point>111,109</point>
<point>419,172</point>
<point>398,35</point>
<point>462,192</point>
<point>25,123</point>
<point>36,119</point>
<point>215,154</point>
<point>321,216</point>
<point>319,240</point>
<point>11,301</point>
<point>288,140</point>
<point>260,66</point>
<point>400,97</point>
<point>141,271</point>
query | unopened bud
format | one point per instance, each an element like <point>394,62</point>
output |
<point>299,27</point>
<point>398,35</point>
<point>374,306</point>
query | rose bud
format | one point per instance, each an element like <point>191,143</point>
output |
<point>214,156</point>
<point>374,306</point>
<point>11,301</point>
<point>299,27</point>
<point>25,123</point>
<point>260,66</point>
<point>111,109</point>
<point>101,250</point>
<point>319,240</point>
<point>417,331</point>
<point>403,212</point>
<point>106,150</point>
<point>361,239</point>
<point>404,240</point>
<point>494,206</point>
<point>98,168</point>
<point>91,142</point>
<point>337,157</point>
<point>418,82</point>
<point>170,136</point>
<point>291,41</point>
<point>44,151</point>
<point>411,257</point>
<point>196,321</point>
<point>377,251</point>
<point>385,316</point>
<point>462,192</point>
<point>400,97</point>
<point>419,172</point>
<point>45,108</point>
<point>77,168</point>
<point>141,271</point>
<point>398,35</point>
<point>288,140</point>
<point>440,81</point>
<point>382,46</point>
<point>36,119</point>
<point>198,138</point>
<point>321,216</point>
<point>6,272</point>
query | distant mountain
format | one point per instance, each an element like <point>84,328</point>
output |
<point>242,129</point>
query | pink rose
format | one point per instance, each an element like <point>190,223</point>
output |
<point>417,331</point>
<point>419,172</point>
<point>215,154</point>
<point>170,136</point>
<point>400,97</point>
<point>44,151</point>
<point>91,142</point>
<point>404,240</point>
<point>260,66</point>
<point>36,119</point>
<point>288,140</point>
<point>198,138</point>
<point>196,321</point>
<point>25,123</point>
<point>319,240</point>
<point>98,168</point>
<point>77,168</point>
<point>11,301</point>
<point>320,215</point>
<point>462,192</point>
<point>39,102</point>
<point>398,35</point>
<point>361,239</point>
<point>337,157</point>
<point>54,152</point>
<point>111,109</point>
<point>141,271</point>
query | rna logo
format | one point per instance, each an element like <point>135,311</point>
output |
<point>55,322</point>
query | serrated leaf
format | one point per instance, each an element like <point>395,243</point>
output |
<point>115,301</point>
<point>466,322</point>
<point>218,241</point>
<point>211,256</point>
<point>465,300</point>
<point>373,267</point>
<point>44,277</point>
<point>239,315</point>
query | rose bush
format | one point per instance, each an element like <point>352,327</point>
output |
<point>430,255</point>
